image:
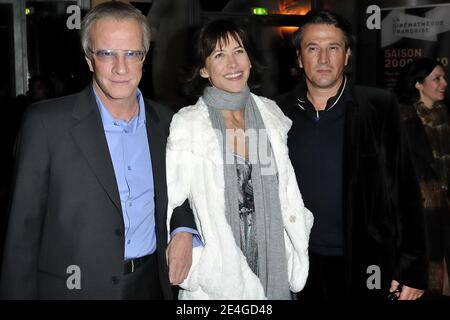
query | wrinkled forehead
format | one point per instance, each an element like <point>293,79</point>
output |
<point>116,30</point>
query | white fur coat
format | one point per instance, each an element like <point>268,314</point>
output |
<point>195,171</point>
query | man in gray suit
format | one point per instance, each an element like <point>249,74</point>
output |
<point>88,210</point>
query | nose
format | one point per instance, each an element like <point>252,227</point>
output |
<point>231,61</point>
<point>120,65</point>
<point>323,56</point>
<point>444,83</point>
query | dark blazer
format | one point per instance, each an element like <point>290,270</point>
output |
<point>65,208</point>
<point>383,211</point>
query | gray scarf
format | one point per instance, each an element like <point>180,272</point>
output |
<point>272,265</point>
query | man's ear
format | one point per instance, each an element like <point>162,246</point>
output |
<point>89,62</point>
<point>348,54</point>
<point>299,59</point>
<point>418,85</point>
<point>204,73</point>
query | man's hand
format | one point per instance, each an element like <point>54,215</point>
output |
<point>179,257</point>
<point>407,293</point>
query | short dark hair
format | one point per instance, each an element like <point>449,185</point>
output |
<point>212,33</point>
<point>412,73</point>
<point>325,17</point>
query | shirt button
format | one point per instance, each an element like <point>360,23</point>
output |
<point>114,280</point>
<point>118,232</point>
<point>129,241</point>
<point>130,204</point>
<point>129,168</point>
<point>292,219</point>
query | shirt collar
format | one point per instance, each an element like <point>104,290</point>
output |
<point>108,120</point>
<point>304,103</point>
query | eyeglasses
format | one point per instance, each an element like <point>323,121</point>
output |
<point>132,56</point>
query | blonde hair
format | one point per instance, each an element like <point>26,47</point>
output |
<point>115,10</point>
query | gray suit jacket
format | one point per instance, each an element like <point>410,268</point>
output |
<point>65,206</point>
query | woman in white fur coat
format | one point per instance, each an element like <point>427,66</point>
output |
<point>227,154</point>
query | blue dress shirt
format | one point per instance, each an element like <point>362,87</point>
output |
<point>132,162</point>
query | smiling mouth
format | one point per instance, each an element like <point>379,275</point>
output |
<point>234,76</point>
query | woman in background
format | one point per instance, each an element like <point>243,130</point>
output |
<point>227,154</point>
<point>421,94</point>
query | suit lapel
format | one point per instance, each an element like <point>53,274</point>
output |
<point>157,138</point>
<point>352,139</point>
<point>89,135</point>
<point>352,145</point>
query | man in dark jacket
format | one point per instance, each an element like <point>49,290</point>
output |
<point>89,205</point>
<point>354,170</point>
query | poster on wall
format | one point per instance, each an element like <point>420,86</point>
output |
<point>408,33</point>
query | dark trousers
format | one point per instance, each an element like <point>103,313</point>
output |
<point>326,279</point>
<point>143,283</point>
